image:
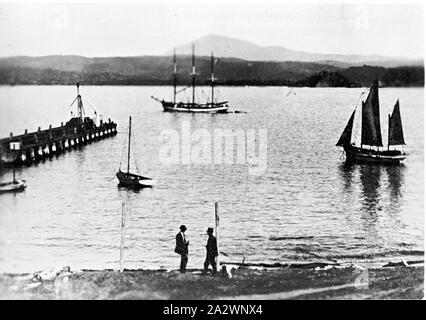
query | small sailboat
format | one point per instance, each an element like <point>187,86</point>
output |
<point>371,148</point>
<point>13,186</point>
<point>128,179</point>
<point>212,106</point>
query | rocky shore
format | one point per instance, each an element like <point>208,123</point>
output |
<point>393,281</point>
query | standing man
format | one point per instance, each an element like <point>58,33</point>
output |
<point>211,253</point>
<point>182,248</point>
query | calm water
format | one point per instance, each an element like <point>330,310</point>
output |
<point>306,207</point>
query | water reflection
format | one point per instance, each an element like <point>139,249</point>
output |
<point>370,178</point>
<point>377,191</point>
<point>71,211</point>
<point>378,184</point>
<point>396,180</point>
<point>347,174</point>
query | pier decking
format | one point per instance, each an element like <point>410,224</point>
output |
<point>35,146</point>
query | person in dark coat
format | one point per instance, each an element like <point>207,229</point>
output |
<point>182,248</point>
<point>211,252</point>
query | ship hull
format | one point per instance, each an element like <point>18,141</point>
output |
<point>194,108</point>
<point>133,181</point>
<point>15,186</point>
<point>361,155</point>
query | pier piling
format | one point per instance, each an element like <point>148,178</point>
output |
<point>31,147</point>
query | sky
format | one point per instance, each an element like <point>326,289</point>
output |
<point>148,28</point>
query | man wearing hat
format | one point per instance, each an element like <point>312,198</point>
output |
<point>211,253</point>
<point>182,248</point>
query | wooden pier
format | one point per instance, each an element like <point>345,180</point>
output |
<point>33,147</point>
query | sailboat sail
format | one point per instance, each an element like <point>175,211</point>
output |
<point>345,138</point>
<point>371,134</point>
<point>370,130</point>
<point>396,134</point>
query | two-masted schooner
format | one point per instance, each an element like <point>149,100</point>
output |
<point>211,106</point>
<point>371,148</point>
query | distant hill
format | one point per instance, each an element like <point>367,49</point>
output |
<point>229,47</point>
<point>364,77</point>
<point>156,70</point>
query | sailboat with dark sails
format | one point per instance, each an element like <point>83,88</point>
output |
<point>211,106</point>
<point>371,149</point>
<point>128,179</point>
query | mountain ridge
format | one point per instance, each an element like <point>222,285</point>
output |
<point>156,70</point>
<point>223,46</point>
<point>232,70</point>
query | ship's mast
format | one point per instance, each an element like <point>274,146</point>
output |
<point>79,104</point>
<point>360,120</point>
<point>389,119</point>
<point>193,74</point>
<point>174,76</point>
<point>212,78</point>
<point>128,149</point>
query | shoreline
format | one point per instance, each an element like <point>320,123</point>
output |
<point>205,85</point>
<point>402,280</point>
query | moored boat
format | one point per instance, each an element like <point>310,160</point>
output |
<point>371,149</point>
<point>13,186</point>
<point>128,179</point>
<point>132,181</point>
<point>212,106</point>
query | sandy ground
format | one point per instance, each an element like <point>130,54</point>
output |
<point>240,282</point>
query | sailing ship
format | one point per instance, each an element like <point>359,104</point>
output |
<point>13,186</point>
<point>371,148</point>
<point>128,179</point>
<point>211,106</point>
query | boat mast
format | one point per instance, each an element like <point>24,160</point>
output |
<point>79,104</point>
<point>193,74</point>
<point>360,120</point>
<point>128,150</point>
<point>14,180</point>
<point>389,129</point>
<point>174,76</point>
<point>212,77</point>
